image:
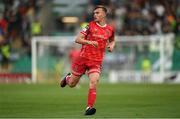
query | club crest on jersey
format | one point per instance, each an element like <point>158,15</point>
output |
<point>95,30</point>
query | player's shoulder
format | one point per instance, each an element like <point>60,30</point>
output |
<point>84,27</point>
<point>87,25</point>
<point>91,23</point>
<point>110,27</point>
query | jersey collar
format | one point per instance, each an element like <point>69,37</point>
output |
<point>100,25</point>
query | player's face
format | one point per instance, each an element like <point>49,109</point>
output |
<point>99,15</point>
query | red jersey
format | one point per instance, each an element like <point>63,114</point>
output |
<point>101,34</point>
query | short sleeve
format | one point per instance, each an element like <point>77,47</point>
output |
<point>112,34</point>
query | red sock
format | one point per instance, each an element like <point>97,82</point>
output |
<point>91,97</point>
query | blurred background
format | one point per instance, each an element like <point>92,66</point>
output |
<point>36,39</point>
<point>140,79</point>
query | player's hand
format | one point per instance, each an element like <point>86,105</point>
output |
<point>94,43</point>
<point>110,47</point>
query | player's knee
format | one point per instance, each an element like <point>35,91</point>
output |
<point>72,84</point>
<point>93,83</point>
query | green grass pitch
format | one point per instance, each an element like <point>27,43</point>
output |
<point>113,101</point>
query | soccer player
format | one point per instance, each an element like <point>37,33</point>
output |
<point>94,39</point>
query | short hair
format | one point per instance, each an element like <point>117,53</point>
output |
<point>102,7</point>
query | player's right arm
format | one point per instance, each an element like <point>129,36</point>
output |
<point>81,40</point>
<point>81,37</point>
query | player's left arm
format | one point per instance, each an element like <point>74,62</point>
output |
<point>111,43</point>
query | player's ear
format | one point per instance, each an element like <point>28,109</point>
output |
<point>105,14</point>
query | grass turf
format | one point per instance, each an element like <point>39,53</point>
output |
<point>113,101</point>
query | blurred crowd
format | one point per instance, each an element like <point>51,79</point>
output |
<point>18,22</point>
<point>140,17</point>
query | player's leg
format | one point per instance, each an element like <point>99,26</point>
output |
<point>78,69</point>
<point>70,79</point>
<point>93,74</point>
<point>93,81</point>
<point>73,80</point>
<point>94,78</point>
